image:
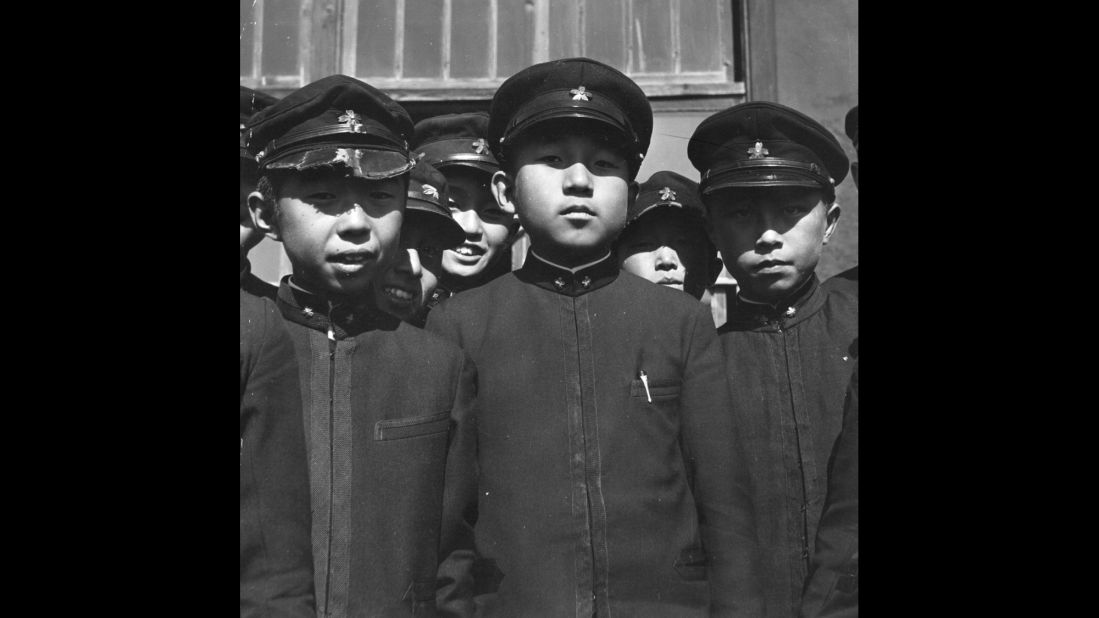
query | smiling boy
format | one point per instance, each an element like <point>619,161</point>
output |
<point>380,397</point>
<point>609,478</point>
<point>455,144</point>
<point>768,181</point>
<point>408,287</point>
<point>665,239</point>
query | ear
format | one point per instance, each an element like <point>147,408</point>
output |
<point>832,217</point>
<point>503,190</point>
<point>263,215</point>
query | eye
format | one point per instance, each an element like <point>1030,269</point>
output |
<point>549,159</point>
<point>321,196</point>
<point>381,195</point>
<point>607,164</point>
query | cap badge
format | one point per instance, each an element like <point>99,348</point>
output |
<point>580,94</point>
<point>480,146</point>
<point>758,151</point>
<point>667,194</point>
<point>430,190</point>
<point>352,120</point>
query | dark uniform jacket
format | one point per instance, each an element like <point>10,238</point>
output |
<point>253,284</point>
<point>381,398</point>
<point>833,587</point>
<point>594,500</point>
<point>788,369</point>
<point>276,566</point>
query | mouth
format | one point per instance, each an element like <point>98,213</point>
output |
<point>351,261</point>
<point>467,252</point>
<point>670,281</point>
<point>578,211</point>
<point>770,266</point>
<point>398,295</point>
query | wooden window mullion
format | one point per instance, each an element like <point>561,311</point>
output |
<point>446,36</point>
<point>257,42</point>
<point>398,41</point>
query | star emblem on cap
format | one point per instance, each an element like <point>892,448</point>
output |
<point>758,151</point>
<point>667,194</point>
<point>580,94</point>
<point>430,190</point>
<point>480,146</point>
<point>352,120</point>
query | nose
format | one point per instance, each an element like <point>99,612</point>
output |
<point>770,237</point>
<point>666,258</point>
<point>353,221</point>
<point>470,222</point>
<point>578,180</point>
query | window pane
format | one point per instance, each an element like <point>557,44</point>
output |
<point>247,29</point>
<point>700,35</point>
<point>280,37</point>
<point>652,36</point>
<point>604,25</point>
<point>515,36</point>
<point>376,28</point>
<point>469,42</point>
<point>423,38</point>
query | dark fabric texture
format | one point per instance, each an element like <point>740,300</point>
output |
<point>832,590</point>
<point>384,402</point>
<point>788,367</point>
<point>601,493</point>
<point>276,568</point>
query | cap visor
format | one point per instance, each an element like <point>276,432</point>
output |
<point>477,164</point>
<point>442,227</point>
<point>363,163</point>
<point>760,178</point>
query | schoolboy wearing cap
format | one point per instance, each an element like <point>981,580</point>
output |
<point>276,560</point>
<point>608,484</point>
<point>768,176</point>
<point>456,145</point>
<point>380,397</point>
<point>665,239</point>
<point>250,103</point>
<point>408,287</point>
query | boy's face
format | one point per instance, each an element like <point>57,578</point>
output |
<point>665,248</point>
<point>411,279</point>
<point>570,191</point>
<point>339,231</point>
<point>771,238</point>
<point>487,227</point>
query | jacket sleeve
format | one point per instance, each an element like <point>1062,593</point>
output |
<point>454,583</point>
<point>276,563</point>
<point>717,465</point>
<point>832,588</point>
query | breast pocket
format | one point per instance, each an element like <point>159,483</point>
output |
<point>414,427</point>
<point>658,390</point>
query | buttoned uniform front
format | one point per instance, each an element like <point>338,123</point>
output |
<point>276,567</point>
<point>383,402</point>
<point>788,367</point>
<point>610,480</point>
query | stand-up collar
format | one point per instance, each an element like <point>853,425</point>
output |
<point>568,281</point>
<point>806,300</point>
<point>340,319</point>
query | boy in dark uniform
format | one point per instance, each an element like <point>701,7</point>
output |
<point>250,103</point>
<point>610,482</point>
<point>768,181</point>
<point>276,564</point>
<point>665,239</point>
<point>408,287</point>
<point>380,396</point>
<point>455,144</point>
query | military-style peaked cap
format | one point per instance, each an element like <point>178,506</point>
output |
<point>334,121</point>
<point>429,206</point>
<point>667,189</point>
<point>571,88</point>
<point>764,144</point>
<point>851,126</point>
<point>455,139</point>
<point>250,103</point>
